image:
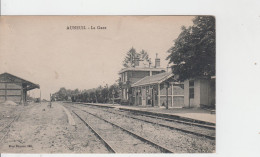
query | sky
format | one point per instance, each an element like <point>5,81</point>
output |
<point>42,50</point>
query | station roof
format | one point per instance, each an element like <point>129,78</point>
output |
<point>141,69</point>
<point>154,79</point>
<point>6,77</point>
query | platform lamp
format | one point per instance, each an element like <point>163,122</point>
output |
<point>166,85</point>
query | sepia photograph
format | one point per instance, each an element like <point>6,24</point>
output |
<point>108,84</point>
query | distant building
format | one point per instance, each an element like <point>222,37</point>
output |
<point>152,91</point>
<point>200,92</point>
<point>131,75</point>
<point>13,88</point>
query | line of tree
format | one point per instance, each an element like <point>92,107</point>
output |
<point>95,95</point>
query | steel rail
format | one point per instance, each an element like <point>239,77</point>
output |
<point>163,149</point>
<point>167,126</point>
<point>186,121</point>
<point>8,125</point>
<point>109,148</point>
<point>178,121</point>
<point>168,119</point>
<point>175,117</point>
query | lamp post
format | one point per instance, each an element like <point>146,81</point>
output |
<point>166,85</point>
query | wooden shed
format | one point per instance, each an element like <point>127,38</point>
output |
<point>13,88</point>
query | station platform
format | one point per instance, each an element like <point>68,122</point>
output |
<point>196,114</point>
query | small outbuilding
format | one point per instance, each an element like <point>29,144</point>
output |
<point>13,88</point>
<point>200,92</point>
<point>152,91</point>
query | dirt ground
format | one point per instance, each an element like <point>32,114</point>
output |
<point>41,129</point>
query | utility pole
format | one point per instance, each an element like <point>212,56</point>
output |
<point>50,100</point>
<point>40,96</point>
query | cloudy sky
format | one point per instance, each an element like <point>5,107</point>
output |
<point>42,50</point>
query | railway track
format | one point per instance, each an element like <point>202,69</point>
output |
<point>118,139</point>
<point>172,117</point>
<point>17,112</point>
<point>153,120</point>
<point>167,126</point>
<point>165,117</point>
<point>211,127</point>
<point>109,148</point>
<point>5,130</point>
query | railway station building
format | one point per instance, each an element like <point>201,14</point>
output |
<point>13,88</point>
<point>130,75</point>
<point>152,91</point>
<point>146,86</point>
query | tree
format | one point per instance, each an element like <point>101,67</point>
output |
<point>85,97</point>
<point>143,55</point>
<point>92,96</point>
<point>104,95</point>
<point>95,95</point>
<point>61,94</point>
<point>130,57</point>
<point>115,88</point>
<point>194,52</point>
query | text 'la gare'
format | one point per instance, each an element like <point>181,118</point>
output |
<point>85,27</point>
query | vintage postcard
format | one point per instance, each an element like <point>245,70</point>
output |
<point>107,84</point>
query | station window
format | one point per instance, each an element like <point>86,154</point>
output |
<point>191,89</point>
<point>191,92</point>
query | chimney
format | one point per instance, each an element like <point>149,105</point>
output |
<point>136,62</point>
<point>157,61</point>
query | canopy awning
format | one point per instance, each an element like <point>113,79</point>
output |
<point>154,79</point>
<point>9,78</point>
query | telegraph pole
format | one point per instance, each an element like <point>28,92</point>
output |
<point>40,97</point>
<point>50,100</point>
